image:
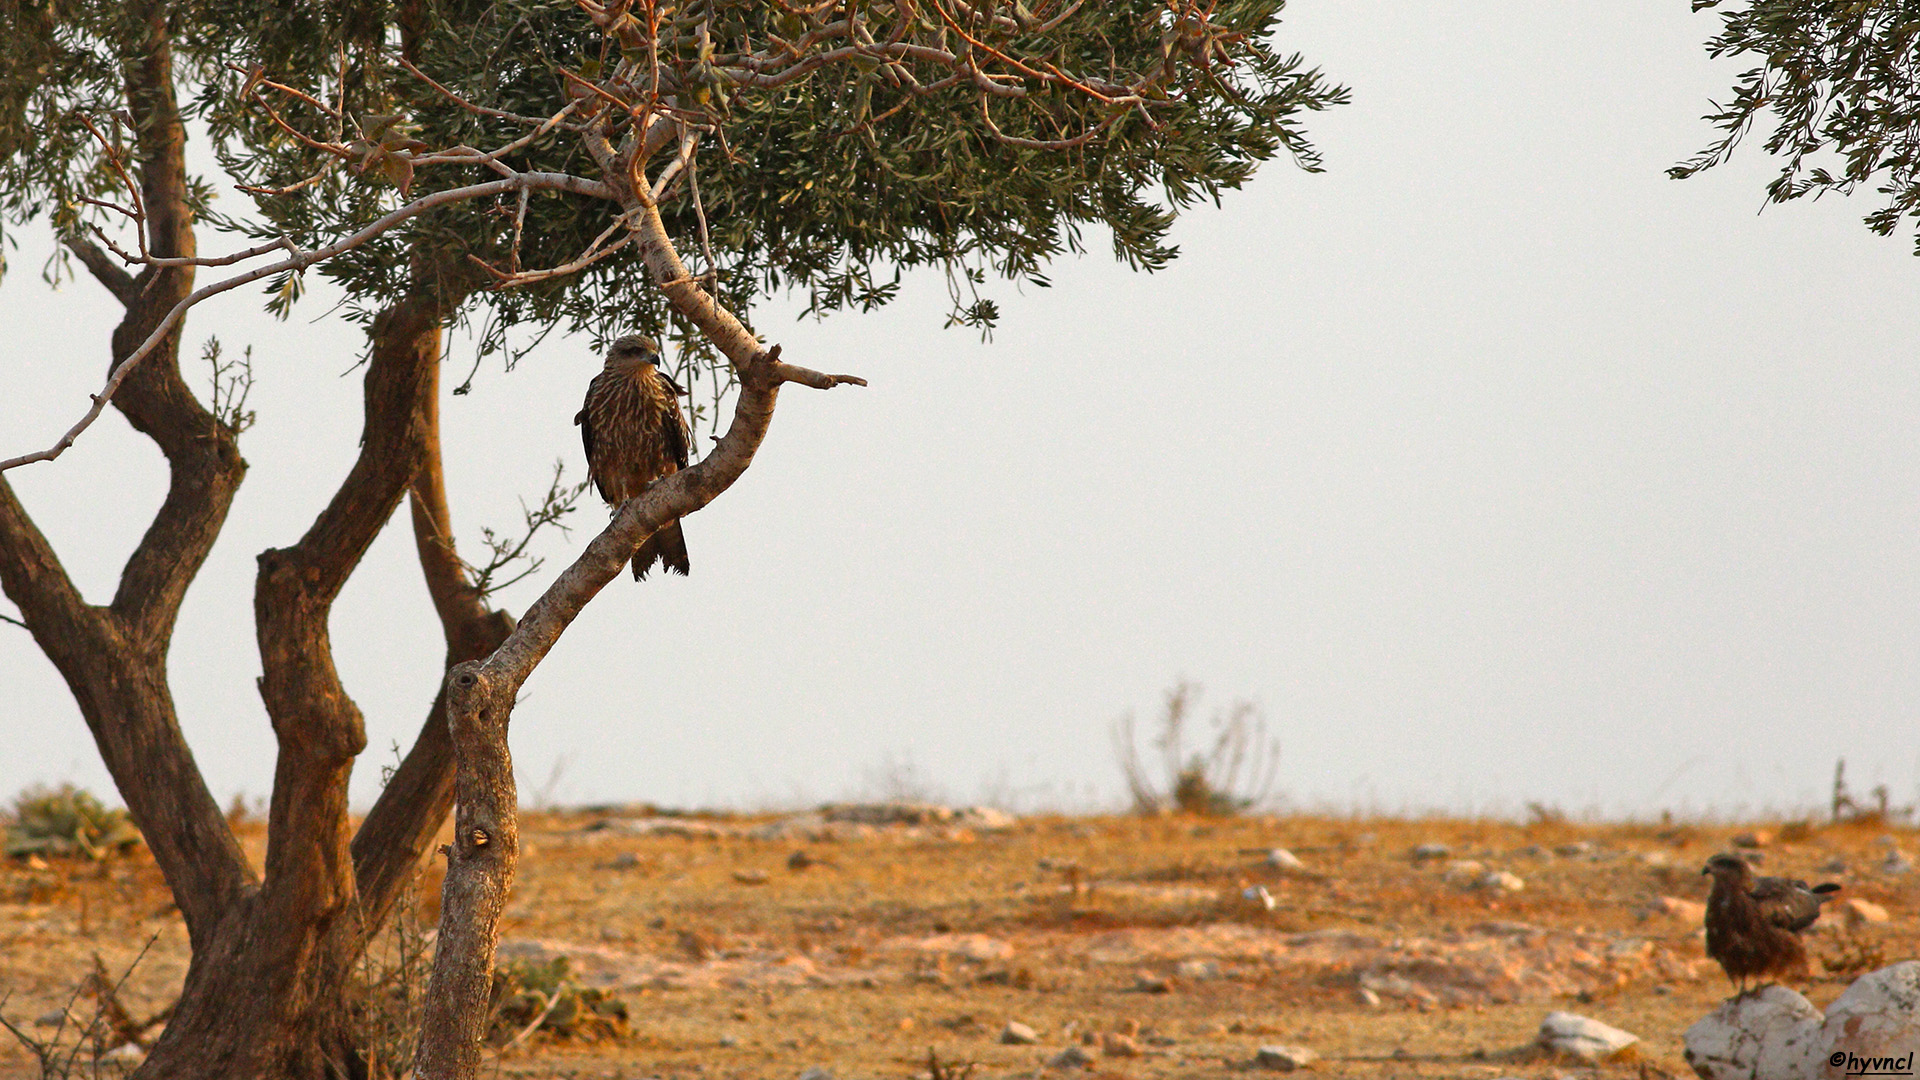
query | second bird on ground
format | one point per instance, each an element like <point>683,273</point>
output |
<point>1754,924</point>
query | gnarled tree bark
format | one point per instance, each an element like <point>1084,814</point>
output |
<point>480,862</point>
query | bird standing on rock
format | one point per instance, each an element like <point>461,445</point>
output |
<point>635,434</point>
<point>1754,924</point>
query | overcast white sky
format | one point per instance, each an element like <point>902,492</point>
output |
<point>1495,466</point>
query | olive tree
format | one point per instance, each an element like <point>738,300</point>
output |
<point>1838,84</point>
<point>523,164</point>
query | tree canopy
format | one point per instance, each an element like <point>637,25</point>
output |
<point>827,146</point>
<point>1840,84</point>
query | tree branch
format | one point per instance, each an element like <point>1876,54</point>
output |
<point>297,263</point>
<point>104,270</point>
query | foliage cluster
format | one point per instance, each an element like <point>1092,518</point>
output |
<point>843,143</point>
<point>66,822</point>
<point>1841,85</point>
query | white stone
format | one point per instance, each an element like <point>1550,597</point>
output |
<point>1197,970</point>
<point>1878,1017</point>
<point>1859,911</point>
<point>1464,872</point>
<point>1283,1058</point>
<point>1582,1037</point>
<point>1686,911</point>
<point>1500,881</point>
<point>1282,859</point>
<point>1258,894</point>
<point>1018,1034</point>
<point>987,819</point>
<point>1773,1034</point>
<point>816,1073</point>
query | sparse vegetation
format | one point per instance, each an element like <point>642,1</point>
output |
<point>66,822</point>
<point>1235,770</point>
<point>529,998</point>
<point>1876,813</point>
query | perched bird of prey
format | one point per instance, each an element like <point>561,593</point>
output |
<point>635,434</point>
<point>1753,924</point>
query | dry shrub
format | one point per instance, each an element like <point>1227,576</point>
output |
<point>529,998</point>
<point>1235,770</point>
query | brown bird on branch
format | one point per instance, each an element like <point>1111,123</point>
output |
<point>635,434</point>
<point>1754,924</point>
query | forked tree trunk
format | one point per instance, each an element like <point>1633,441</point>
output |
<point>268,996</point>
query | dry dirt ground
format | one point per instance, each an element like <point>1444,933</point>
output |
<point>765,947</point>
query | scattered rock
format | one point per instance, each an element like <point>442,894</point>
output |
<point>1283,1058</point>
<point>1152,984</point>
<point>1673,907</point>
<point>1464,872</point>
<point>1426,852</point>
<point>626,860</point>
<point>1387,984</point>
<point>1366,996</point>
<point>921,814</point>
<point>1656,859</point>
<point>1582,1037</point>
<point>689,828</point>
<point>1282,859</point>
<point>1878,1016</point>
<point>1114,1044</point>
<point>1534,851</point>
<point>977,947</point>
<point>800,860</point>
<point>750,877</point>
<point>816,1073</point>
<point>1018,1034</point>
<point>1071,1058</point>
<point>1835,865</point>
<point>1197,970</point>
<point>1758,838</point>
<point>1859,912</point>
<point>1258,894</point>
<point>1896,863</point>
<point>1578,849</point>
<point>1500,881</point>
<point>52,1019</point>
<point>1773,1034</point>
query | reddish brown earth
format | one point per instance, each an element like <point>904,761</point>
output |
<point>763,947</point>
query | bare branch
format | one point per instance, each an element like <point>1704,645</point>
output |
<point>117,281</point>
<point>297,263</point>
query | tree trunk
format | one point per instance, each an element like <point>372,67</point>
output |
<point>480,862</point>
<point>268,996</point>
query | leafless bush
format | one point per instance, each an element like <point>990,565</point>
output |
<point>388,990</point>
<point>1849,811</point>
<point>95,1040</point>
<point>1235,770</point>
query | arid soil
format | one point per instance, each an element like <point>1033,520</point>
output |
<point>765,947</point>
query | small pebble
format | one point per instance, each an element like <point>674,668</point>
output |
<point>1018,1034</point>
<point>1283,1058</point>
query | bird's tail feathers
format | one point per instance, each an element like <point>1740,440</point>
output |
<point>667,547</point>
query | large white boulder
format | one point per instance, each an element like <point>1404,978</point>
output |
<point>1878,1017</point>
<point>1774,1034</point>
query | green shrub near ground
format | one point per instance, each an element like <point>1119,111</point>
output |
<point>66,822</point>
